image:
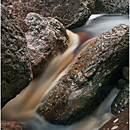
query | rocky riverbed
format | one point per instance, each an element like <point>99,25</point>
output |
<point>34,32</point>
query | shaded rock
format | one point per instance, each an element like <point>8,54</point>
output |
<point>112,6</point>
<point>126,72</point>
<point>68,12</point>
<point>46,38</point>
<point>121,83</point>
<point>89,80</point>
<point>15,63</point>
<point>121,101</point>
<point>119,122</point>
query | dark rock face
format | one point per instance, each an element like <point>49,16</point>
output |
<point>68,12</point>
<point>15,62</point>
<point>121,101</point>
<point>21,60</point>
<point>46,38</point>
<point>121,83</point>
<point>88,81</point>
<point>112,6</point>
<point>119,122</point>
<point>126,73</point>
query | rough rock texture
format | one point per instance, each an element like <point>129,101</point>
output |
<point>14,58</point>
<point>68,12</point>
<point>88,81</point>
<point>46,38</point>
<point>121,101</point>
<point>72,13</point>
<point>12,125</point>
<point>119,122</point>
<point>112,6</point>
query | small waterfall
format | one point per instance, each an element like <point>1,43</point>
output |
<point>95,27</point>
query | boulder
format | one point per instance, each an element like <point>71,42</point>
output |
<point>89,80</point>
<point>69,12</point>
<point>46,37</point>
<point>15,64</point>
<point>26,55</point>
<point>112,6</point>
<point>121,102</point>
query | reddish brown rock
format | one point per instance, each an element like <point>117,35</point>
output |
<point>46,38</point>
<point>12,125</point>
<point>119,122</point>
<point>14,58</point>
<point>112,6</point>
<point>21,60</point>
<point>68,12</point>
<point>71,13</point>
<point>121,102</point>
<point>89,80</point>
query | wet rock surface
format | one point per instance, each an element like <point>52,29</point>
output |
<point>112,6</point>
<point>89,80</point>
<point>86,84</point>
<point>119,122</point>
<point>14,58</point>
<point>69,12</point>
<point>121,102</point>
<point>46,38</point>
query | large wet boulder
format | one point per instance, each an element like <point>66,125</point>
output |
<point>14,58</point>
<point>46,37</point>
<point>89,80</point>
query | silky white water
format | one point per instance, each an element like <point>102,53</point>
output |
<point>99,24</point>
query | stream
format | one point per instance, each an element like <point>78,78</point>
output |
<point>96,25</point>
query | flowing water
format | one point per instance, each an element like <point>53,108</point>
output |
<point>100,116</point>
<point>99,24</point>
<point>96,25</point>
